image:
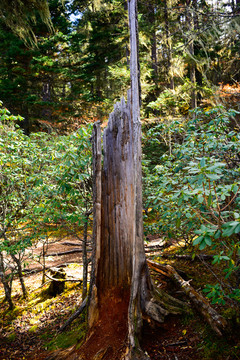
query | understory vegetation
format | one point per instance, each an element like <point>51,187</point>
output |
<point>192,193</point>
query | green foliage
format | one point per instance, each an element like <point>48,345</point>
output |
<point>16,179</point>
<point>218,296</point>
<point>65,183</point>
<point>173,100</point>
<point>45,180</point>
<point>215,293</point>
<point>195,188</point>
<point>177,101</point>
<point>81,68</point>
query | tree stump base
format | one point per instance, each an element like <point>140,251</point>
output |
<point>57,284</point>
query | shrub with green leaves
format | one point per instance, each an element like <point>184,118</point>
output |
<point>15,201</point>
<point>195,187</point>
<point>45,188</point>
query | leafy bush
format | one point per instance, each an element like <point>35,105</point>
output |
<point>45,187</point>
<point>194,190</point>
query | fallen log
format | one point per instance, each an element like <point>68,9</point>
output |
<point>201,304</point>
<point>156,248</point>
<point>69,243</point>
<point>40,269</point>
<point>179,343</point>
<point>63,280</point>
<point>61,253</point>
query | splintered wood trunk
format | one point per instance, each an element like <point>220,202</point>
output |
<point>122,285</point>
<point>121,292</point>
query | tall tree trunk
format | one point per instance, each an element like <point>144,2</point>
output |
<point>168,45</point>
<point>44,253</point>
<point>46,98</point>
<point>237,8</point>
<point>193,77</point>
<point>192,68</point>
<point>152,22</point>
<point>127,52</point>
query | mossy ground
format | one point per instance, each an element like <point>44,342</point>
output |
<point>32,326</point>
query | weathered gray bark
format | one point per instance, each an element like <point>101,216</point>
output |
<point>121,280</point>
<point>84,255</point>
<point>121,277</point>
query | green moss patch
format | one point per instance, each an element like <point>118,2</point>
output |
<point>75,335</point>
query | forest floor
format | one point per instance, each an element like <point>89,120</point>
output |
<point>30,330</point>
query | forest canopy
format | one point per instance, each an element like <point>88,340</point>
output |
<point>188,54</point>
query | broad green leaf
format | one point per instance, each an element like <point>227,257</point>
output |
<point>202,162</point>
<point>213,176</point>
<point>198,240</point>
<point>208,240</point>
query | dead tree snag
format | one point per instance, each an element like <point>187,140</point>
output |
<point>121,292</point>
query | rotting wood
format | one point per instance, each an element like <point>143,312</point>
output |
<point>179,343</point>
<point>122,287</point>
<point>152,250</point>
<point>70,243</point>
<point>29,272</point>
<point>57,284</point>
<point>201,304</point>
<point>160,268</point>
<point>39,269</point>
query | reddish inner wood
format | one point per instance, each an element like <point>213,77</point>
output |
<point>110,331</point>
